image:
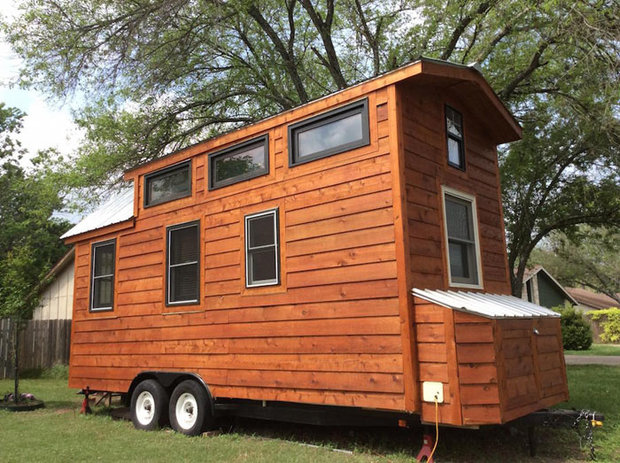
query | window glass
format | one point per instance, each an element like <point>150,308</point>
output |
<point>329,135</point>
<point>454,152</point>
<point>102,278</point>
<point>170,184</point>
<point>454,122</point>
<point>183,264</point>
<point>462,255</point>
<point>340,130</point>
<point>261,231</point>
<point>262,249</point>
<point>454,137</point>
<point>239,163</point>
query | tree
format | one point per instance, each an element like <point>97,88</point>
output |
<point>589,257</point>
<point>29,236</point>
<point>162,74</point>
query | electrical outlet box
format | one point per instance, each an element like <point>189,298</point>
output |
<point>432,391</point>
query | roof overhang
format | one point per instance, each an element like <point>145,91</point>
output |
<point>496,306</point>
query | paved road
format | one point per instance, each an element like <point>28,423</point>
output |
<point>592,360</point>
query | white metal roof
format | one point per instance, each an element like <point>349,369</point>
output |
<point>484,304</point>
<point>116,209</point>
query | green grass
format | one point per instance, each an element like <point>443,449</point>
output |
<point>597,349</point>
<point>60,433</point>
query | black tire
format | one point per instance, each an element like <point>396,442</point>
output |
<point>149,405</point>
<point>190,409</point>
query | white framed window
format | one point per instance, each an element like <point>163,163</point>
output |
<point>462,239</point>
<point>262,249</point>
<point>183,264</point>
<point>103,255</point>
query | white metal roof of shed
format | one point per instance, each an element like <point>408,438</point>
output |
<point>115,210</point>
<point>484,304</point>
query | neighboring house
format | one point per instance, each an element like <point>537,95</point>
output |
<point>56,297</point>
<point>541,288</point>
<point>588,300</point>
<point>46,339</point>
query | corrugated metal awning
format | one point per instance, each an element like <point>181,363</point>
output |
<point>115,210</point>
<point>484,304</point>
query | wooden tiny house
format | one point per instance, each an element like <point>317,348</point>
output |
<point>277,262</point>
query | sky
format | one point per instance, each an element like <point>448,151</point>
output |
<point>48,124</point>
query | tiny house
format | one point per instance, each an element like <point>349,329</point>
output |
<point>347,253</point>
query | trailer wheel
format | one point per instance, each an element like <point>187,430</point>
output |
<point>148,405</point>
<point>190,408</point>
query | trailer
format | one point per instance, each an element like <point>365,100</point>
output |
<point>344,257</point>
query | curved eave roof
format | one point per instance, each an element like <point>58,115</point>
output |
<point>118,208</point>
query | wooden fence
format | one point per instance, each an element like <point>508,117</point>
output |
<point>43,344</point>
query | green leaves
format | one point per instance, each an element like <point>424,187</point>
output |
<point>162,74</point>
<point>29,236</point>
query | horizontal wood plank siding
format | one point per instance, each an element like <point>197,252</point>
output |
<point>427,170</point>
<point>329,333</point>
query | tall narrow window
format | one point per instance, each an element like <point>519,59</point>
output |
<point>102,276</point>
<point>262,249</point>
<point>183,264</point>
<point>454,136</point>
<point>241,162</point>
<point>461,238</point>
<point>165,185</point>
<point>337,131</point>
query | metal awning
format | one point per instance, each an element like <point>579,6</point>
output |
<point>484,304</point>
<point>117,209</point>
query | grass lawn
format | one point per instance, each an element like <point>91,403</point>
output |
<point>60,433</point>
<point>597,349</point>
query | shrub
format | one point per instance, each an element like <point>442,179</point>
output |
<point>576,331</point>
<point>610,323</point>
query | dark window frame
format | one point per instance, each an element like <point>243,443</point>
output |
<point>148,177</point>
<point>334,115</point>
<point>212,158</point>
<point>474,242</point>
<point>460,140</point>
<point>169,230</point>
<point>91,296</point>
<point>276,232</point>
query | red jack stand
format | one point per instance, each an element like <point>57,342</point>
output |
<point>85,405</point>
<point>427,448</point>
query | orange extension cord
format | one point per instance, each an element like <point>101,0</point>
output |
<point>430,457</point>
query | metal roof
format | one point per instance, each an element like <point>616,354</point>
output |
<point>484,304</point>
<point>116,209</point>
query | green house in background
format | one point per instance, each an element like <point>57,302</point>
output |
<point>539,287</point>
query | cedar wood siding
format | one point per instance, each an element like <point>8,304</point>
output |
<point>437,331</point>
<point>329,333</point>
<point>493,371</point>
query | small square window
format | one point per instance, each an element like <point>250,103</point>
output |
<point>168,184</point>
<point>239,163</point>
<point>454,136</point>
<point>462,239</point>
<point>262,253</point>
<point>337,131</point>
<point>102,276</point>
<point>183,264</point>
